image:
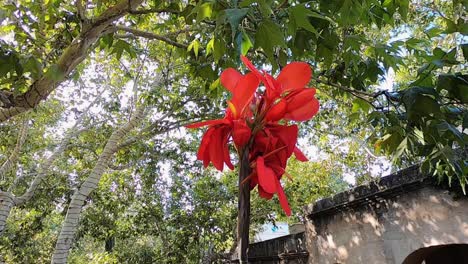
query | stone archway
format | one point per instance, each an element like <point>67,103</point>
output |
<point>441,254</point>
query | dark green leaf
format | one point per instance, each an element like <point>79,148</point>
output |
<point>268,36</point>
<point>234,17</point>
<point>299,16</point>
<point>464,48</point>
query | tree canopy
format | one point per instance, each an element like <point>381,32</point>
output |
<point>94,96</point>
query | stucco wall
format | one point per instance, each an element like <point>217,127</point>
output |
<point>388,228</point>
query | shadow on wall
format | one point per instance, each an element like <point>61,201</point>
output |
<point>443,254</point>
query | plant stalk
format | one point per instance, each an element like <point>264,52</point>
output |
<point>243,219</point>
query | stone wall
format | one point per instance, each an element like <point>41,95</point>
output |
<point>287,249</point>
<point>385,222</point>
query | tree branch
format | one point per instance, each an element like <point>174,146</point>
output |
<point>148,35</point>
<point>360,94</point>
<point>8,164</point>
<point>73,55</point>
<point>81,11</point>
<point>152,11</point>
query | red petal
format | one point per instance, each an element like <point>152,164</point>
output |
<point>264,194</point>
<point>302,106</point>
<point>299,155</point>
<point>283,199</point>
<point>277,111</point>
<point>241,132</point>
<point>279,171</point>
<point>266,176</point>
<point>287,135</point>
<point>227,158</point>
<point>251,67</point>
<point>216,149</point>
<point>244,92</point>
<point>205,143</point>
<point>295,75</point>
<point>229,79</point>
<point>208,123</point>
<point>273,88</point>
<point>253,180</point>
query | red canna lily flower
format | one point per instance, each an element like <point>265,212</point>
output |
<point>251,120</point>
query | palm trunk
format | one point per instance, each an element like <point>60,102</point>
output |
<point>243,220</point>
<point>70,224</point>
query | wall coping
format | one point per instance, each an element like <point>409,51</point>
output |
<point>388,186</point>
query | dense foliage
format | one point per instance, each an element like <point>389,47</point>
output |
<point>391,78</point>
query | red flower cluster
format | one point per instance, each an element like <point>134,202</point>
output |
<point>252,119</point>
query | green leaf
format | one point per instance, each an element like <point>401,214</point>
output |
<point>462,26</point>
<point>268,36</point>
<point>203,10</point>
<point>265,8</point>
<point>456,85</point>
<point>219,48</point>
<point>120,46</point>
<point>246,3</point>
<point>33,66</point>
<point>8,62</point>
<point>234,17</point>
<point>210,47</point>
<point>246,43</point>
<point>433,32</point>
<point>299,16</point>
<point>444,126</point>
<point>415,44</point>
<point>465,120</point>
<point>108,40</point>
<point>401,148</point>
<point>214,85</point>
<point>359,104</point>
<point>403,7</point>
<point>282,58</point>
<point>325,53</point>
<point>464,48</point>
<point>450,26</point>
<point>421,101</point>
<point>438,53</point>
<point>390,142</point>
<point>195,45</point>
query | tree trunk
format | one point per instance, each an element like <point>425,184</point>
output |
<point>6,203</point>
<point>70,224</point>
<point>243,219</point>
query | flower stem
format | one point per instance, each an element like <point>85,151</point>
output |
<point>243,219</point>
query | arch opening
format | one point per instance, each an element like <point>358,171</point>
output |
<point>441,254</point>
